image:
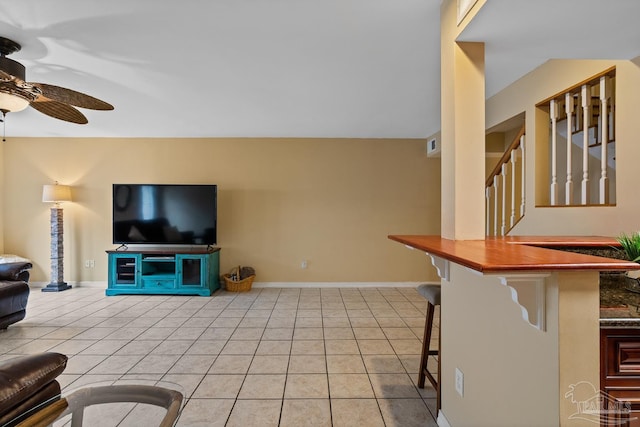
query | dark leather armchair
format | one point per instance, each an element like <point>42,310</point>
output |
<point>14,292</point>
<point>28,384</point>
<point>15,271</point>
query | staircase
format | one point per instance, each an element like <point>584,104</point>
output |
<point>581,157</point>
<point>582,143</point>
<point>504,189</point>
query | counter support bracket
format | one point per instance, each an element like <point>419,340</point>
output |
<point>441,264</point>
<point>529,292</point>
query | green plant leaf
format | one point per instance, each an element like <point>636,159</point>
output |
<point>630,245</point>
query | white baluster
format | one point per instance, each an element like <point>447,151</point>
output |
<point>512,219</point>
<point>586,104</point>
<point>577,123</point>
<point>604,180</point>
<point>553,110</point>
<point>495,206</point>
<point>568,189</point>
<point>503,224</point>
<point>487,195</point>
<point>523,179</point>
<point>612,110</point>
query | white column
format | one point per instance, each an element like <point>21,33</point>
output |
<point>523,179</point>
<point>568,189</point>
<point>553,110</point>
<point>586,104</point>
<point>604,180</point>
<point>463,135</point>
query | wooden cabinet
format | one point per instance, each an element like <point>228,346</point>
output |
<point>620,371</point>
<point>194,272</point>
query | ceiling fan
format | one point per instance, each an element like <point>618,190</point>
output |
<point>16,94</point>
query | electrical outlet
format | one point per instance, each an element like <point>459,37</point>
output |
<point>304,264</point>
<point>89,263</point>
<point>459,382</point>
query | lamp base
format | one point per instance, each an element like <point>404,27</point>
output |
<point>56,287</point>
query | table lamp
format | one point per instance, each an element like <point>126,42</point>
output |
<point>56,194</point>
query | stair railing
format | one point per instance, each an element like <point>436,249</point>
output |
<point>502,193</point>
<point>587,112</point>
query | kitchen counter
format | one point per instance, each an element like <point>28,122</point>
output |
<point>519,254</point>
<point>619,296</point>
<point>528,301</point>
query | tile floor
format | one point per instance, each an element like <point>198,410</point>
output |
<point>269,357</point>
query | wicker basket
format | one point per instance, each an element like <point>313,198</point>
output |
<point>243,285</point>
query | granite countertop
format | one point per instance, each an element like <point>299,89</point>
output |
<point>619,301</point>
<point>619,295</point>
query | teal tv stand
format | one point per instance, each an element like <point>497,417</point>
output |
<point>164,272</point>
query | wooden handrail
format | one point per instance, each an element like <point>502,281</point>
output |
<point>610,72</point>
<point>505,157</point>
<point>511,227</point>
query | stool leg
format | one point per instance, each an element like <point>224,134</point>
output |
<point>428,324</point>
<point>438,393</point>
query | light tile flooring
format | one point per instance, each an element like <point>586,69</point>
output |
<point>269,357</point>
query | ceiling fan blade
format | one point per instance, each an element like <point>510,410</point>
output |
<point>68,96</point>
<point>58,110</point>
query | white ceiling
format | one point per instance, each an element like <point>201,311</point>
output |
<point>520,35</point>
<point>283,68</point>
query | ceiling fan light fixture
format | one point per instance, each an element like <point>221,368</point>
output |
<point>10,103</point>
<point>16,94</point>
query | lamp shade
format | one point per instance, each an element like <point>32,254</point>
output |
<point>56,193</point>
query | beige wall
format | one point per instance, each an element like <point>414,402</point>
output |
<point>494,147</point>
<point>551,78</point>
<point>515,374</point>
<point>330,201</point>
<point>485,336</point>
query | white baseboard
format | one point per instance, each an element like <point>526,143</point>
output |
<point>103,285</point>
<point>338,284</point>
<point>442,420</point>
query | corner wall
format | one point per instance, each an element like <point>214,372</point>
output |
<point>329,201</point>
<point>510,368</point>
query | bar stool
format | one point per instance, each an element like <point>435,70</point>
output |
<point>432,294</point>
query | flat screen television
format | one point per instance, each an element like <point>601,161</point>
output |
<point>161,214</point>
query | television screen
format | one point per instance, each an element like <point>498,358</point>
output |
<point>164,214</point>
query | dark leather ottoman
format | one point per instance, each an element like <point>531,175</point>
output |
<point>14,292</point>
